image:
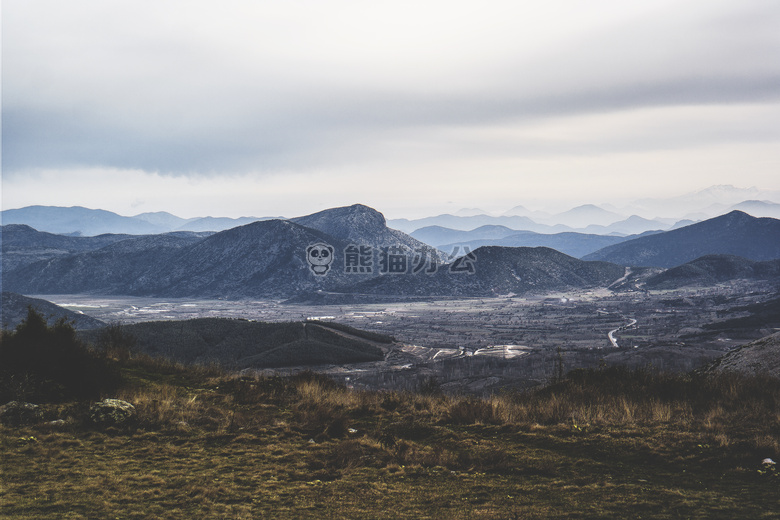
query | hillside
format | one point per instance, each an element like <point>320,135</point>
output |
<point>83,221</point>
<point>711,269</point>
<point>499,270</point>
<point>735,233</point>
<point>568,243</point>
<point>112,269</point>
<point>759,357</point>
<point>23,245</point>
<point>239,344</point>
<point>263,259</point>
<point>13,310</point>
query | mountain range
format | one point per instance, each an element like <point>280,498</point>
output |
<point>269,259</point>
<point>735,233</point>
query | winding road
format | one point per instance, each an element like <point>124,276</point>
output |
<point>611,334</point>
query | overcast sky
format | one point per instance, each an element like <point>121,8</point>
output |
<point>414,108</point>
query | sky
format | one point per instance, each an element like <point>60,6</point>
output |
<point>414,108</point>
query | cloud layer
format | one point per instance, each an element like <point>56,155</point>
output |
<point>268,89</point>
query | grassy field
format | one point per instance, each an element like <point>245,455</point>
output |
<point>599,444</point>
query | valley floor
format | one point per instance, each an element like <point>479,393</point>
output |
<point>482,345</point>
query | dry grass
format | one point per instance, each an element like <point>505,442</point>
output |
<point>599,444</point>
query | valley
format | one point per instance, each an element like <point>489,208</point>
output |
<point>482,345</point>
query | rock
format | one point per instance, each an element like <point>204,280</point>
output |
<point>112,412</point>
<point>16,413</point>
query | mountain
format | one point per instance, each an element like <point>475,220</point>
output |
<point>112,269</point>
<point>358,224</point>
<point>470,212</point>
<point>759,357</point>
<point>735,233</point>
<point>23,245</point>
<point>164,220</point>
<point>522,211</point>
<point>79,220</point>
<point>712,269</point>
<point>633,225</point>
<point>14,310</point>
<point>572,244</point>
<point>498,270</point>
<point>243,344</point>
<point>436,235</point>
<point>216,223</point>
<point>470,223</point>
<point>699,205</point>
<point>585,215</point>
<point>262,259</point>
<point>759,208</point>
<point>90,222</point>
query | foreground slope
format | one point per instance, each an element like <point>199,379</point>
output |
<point>735,233</point>
<point>759,357</point>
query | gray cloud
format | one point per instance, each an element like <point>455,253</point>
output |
<point>185,105</point>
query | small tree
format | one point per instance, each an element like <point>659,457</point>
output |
<point>51,361</point>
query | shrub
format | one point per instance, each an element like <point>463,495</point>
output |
<point>53,364</point>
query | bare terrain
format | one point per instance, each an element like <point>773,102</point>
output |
<point>480,345</point>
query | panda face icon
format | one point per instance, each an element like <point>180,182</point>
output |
<point>319,256</point>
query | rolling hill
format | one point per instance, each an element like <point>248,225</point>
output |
<point>498,270</point>
<point>735,233</point>
<point>242,344</point>
<point>712,269</point>
<point>14,306</point>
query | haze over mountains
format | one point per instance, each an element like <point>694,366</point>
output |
<point>630,218</point>
<point>269,259</point>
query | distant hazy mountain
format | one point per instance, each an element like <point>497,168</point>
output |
<point>633,225</point>
<point>735,233</point>
<point>698,205</point>
<point>712,269</point>
<point>164,220</point>
<point>437,235</point>
<point>499,270</point>
<point>470,223</point>
<point>23,245</point>
<point>586,215</point>
<point>88,222</point>
<point>572,244</point>
<point>216,223</point>
<point>14,310</point>
<point>521,211</point>
<point>470,212</point>
<point>759,208</point>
